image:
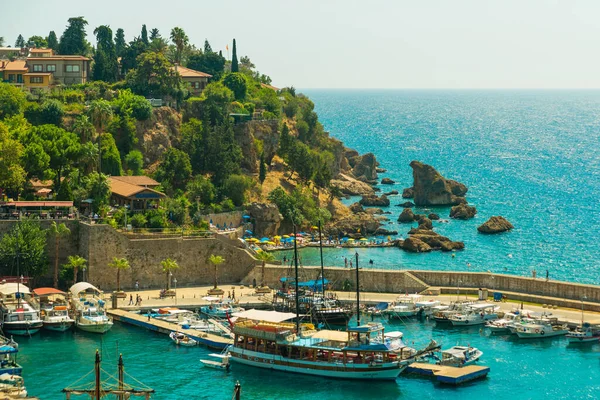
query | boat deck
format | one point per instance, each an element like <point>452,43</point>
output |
<point>449,375</point>
<point>206,339</point>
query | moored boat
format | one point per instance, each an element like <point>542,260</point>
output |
<point>460,356</point>
<point>585,334</point>
<point>544,328</point>
<point>17,314</point>
<point>223,362</point>
<point>182,339</point>
<point>475,314</point>
<point>219,308</point>
<point>54,310</point>
<point>89,308</point>
<point>8,357</point>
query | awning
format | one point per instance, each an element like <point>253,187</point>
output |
<point>81,287</point>
<point>338,336</point>
<point>46,291</point>
<point>11,288</point>
<point>38,203</point>
<point>267,316</point>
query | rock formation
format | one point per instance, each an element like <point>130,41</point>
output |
<point>415,245</point>
<point>406,204</point>
<point>374,211</point>
<point>408,193</point>
<point>387,181</point>
<point>495,224</point>
<point>373,200</point>
<point>158,133</point>
<point>406,215</point>
<point>357,208</point>
<point>354,225</point>
<point>380,170</point>
<point>432,189</point>
<point>267,218</point>
<point>432,240</point>
<point>352,187</point>
<point>392,193</point>
<point>364,168</point>
<point>433,217</point>
<point>463,211</point>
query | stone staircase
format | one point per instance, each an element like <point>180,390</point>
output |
<point>415,283</point>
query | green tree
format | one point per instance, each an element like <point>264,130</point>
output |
<point>144,35</point>
<point>84,128</point>
<point>154,34</point>
<point>28,241</point>
<point>97,188</point>
<point>234,60</point>
<point>180,39</point>
<point>159,45</point>
<point>35,160</point>
<point>51,112</point>
<point>133,105</point>
<point>175,169</point>
<point>1,41</point>
<point>134,162</point>
<point>88,157</point>
<point>20,42</point>
<point>123,130</point>
<point>207,48</point>
<point>12,100</point>
<point>120,264</point>
<point>237,83</point>
<point>52,41</point>
<point>37,42</point>
<point>100,113</point>
<point>168,266</point>
<point>210,63</point>
<point>216,100</point>
<point>72,267</point>
<point>110,159</point>
<point>285,141</point>
<point>57,231</point>
<point>264,257</point>
<point>131,53</point>
<point>201,189</point>
<point>262,171</point>
<point>216,261</point>
<point>106,67</point>
<point>12,173</point>
<point>120,43</point>
<point>235,187</point>
<point>154,76</point>
<point>72,41</point>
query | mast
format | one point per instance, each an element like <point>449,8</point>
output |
<point>97,370</point>
<point>296,270</point>
<point>18,263</point>
<point>121,377</point>
<point>357,293</point>
<point>322,268</point>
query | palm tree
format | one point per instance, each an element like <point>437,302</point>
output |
<point>180,39</point>
<point>100,113</point>
<point>75,263</point>
<point>84,128</point>
<point>265,257</point>
<point>88,157</point>
<point>58,231</point>
<point>169,265</point>
<point>215,260</point>
<point>119,264</point>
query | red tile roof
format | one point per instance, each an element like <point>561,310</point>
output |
<point>190,73</point>
<point>139,180</point>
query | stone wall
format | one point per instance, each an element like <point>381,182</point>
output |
<point>100,243</point>
<point>227,218</point>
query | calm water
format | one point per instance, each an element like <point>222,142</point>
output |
<point>531,156</point>
<point>519,369</point>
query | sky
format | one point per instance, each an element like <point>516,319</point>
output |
<point>363,44</point>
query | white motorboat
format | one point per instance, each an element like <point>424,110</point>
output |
<point>542,329</point>
<point>54,309</point>
<point>427,307</point>
<point>442,314</point>
<point>89,308</point>
<point>460,356</point>
<point>404,306</point>
<point>182,339</point>
<point>12,386</point>
<point>584,334</point>
<point>502,325</point>
<point>476,314</point>
<point>222,364</point>
<point>219,308</point>
<point>17,315</point>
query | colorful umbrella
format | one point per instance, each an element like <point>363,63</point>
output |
<point>286,236</point>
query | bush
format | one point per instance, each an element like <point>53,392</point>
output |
<point>130,104</point>
<point>250,107</point>
<point>51,112</point>
<point>157,219</point>
<point>138,221</point>
<point>12,100</point>
<point>235,187</point>
<point>227,205</point>
<point>73,96</point>
<point>236,82</point>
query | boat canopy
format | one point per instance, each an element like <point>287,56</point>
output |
<point>370,327</point>
<point>11,288</point>
<point>47,291</point>
<point>482,306</point>
<point>266,316</point>
<point>6,349</point>
<point>394,335</point>
<point>82,287</point>
<point>336,336</point>
<point>211,298</point>
<point>313,284</point>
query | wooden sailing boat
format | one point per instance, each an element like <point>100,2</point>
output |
<point>96,390</point>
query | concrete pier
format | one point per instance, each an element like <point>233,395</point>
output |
<point>449,375</point>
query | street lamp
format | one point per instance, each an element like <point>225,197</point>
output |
<point>175,282</point>
<point>458,290</point>
<point>170,277</point>
<point>582,299</point>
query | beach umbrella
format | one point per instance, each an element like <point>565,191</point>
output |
<point>286,236</point>
<point>277,237</point>
<point>350,240</point>
<point>315,227</point>
<point>253,240</point>
<point>363,239</point>
<point>265,240</point>
<point>246,216</point>
<point>248,232</point>
<point>271,243</point>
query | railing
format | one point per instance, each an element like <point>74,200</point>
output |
<point>43,215</point>
<point>141,233</point>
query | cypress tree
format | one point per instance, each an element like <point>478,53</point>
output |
<point>220,53</point>
<point>207,48</point>
<point>120,42</point>
<point>52,41</point>
<point>262,173</point>
<point>154,34</point>
<point>145,34</point>
<point>73,40</point>
<point>234,60</point>
<point>21,42</point>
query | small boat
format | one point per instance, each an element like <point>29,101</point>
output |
<point>460,356</point>
<point>503,325</point>
<point>441,314</point>
<point>427,307</point>
<point>223,362</point>
<point>476,314</point>
<point>91,316</point>
<point>585,334</point>
<point>182,339</point>
<point>17,314</point>
<point>219,308</point>
<point>12,386</point>
<point>54,311</point>
<point>8,357</point>
<point>404,307</point>
<point>542,329</point>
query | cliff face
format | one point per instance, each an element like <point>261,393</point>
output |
<point>432,189</point>
<point>247,134</point>
<point>158,133</point>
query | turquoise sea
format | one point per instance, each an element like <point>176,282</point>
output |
<point>531,156</point>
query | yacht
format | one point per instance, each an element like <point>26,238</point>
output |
<point>17,314</point>
<point>548,327</point>
<point>54,310</point>
<point>89,308</point>
<point>476,314</point>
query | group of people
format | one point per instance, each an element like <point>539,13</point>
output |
<point>138,300</point>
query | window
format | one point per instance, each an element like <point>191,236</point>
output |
<point>20,78</point>
<point>71,68</point>
<point>38,68</point>
<point>11,78</point>
<point>51,68</point>
<point>36,79</point>
<point>196,85</point>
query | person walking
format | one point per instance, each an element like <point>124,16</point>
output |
<point>547,275</point>
<point>345,262</point>
<point>137,286</point>
<point>130,299</point>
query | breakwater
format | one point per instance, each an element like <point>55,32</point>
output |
<point>564,294</point>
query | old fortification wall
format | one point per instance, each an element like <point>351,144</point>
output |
<point>100,243</point>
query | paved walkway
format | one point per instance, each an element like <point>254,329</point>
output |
<point>193,296</point>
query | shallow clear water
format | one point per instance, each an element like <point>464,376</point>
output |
<point>530,156</point>
<point>519,369</point>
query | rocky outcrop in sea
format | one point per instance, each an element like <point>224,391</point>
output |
<point>430,188</point>
<point>374,201</point>
<point>495,224</point>
<point>463,211</point>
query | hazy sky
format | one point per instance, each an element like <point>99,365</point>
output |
<point>363,44</point>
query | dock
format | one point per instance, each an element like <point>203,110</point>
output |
<point>206,339</point>
<point>449,375</point>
